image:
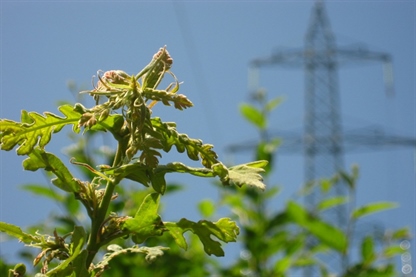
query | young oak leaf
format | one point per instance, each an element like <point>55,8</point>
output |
<point>35,129</point>
<point>337,240</point>
<point>195,148</point>
<point>15,231</point>
<point>114,250</point>
<point>64,180</point>
<point>224,229</point>
<point>146,222</point>
<point>179,101</point>
<point>246,174</point>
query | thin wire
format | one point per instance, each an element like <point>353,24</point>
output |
<point>197,70</point>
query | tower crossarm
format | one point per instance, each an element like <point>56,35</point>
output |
<point>289,58</point>
<point>297,57</point>
<point>368,139</point>
<point>360,54</point>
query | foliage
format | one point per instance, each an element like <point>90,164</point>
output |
<point>295,240</point>
<point>287,241</point>
<point>124,109</point>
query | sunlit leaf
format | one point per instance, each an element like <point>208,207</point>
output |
<point>206,208</point>
<point>113,123</point>
<point>326,184</point>
<point>136,172</point>
<point>402,233</point>
<point>40,159</point>
<point>253,115</point>
<point>372,208</point>
<point>273,103</point>
<point>247,174</point>
<point>179,101</point>
<point>392,251</point>
<point>78,265</point>
<point>36,129</point>
<point>224,229</point>
<point>147,222</point>
<point>332,202</point>
<point>325,232</point>
<point>15,231</point>
<point>195,148</point>
<point>282,265</point>
<point>152,253</point>
<point>367,250</point>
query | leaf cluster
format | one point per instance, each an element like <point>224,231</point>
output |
<point>299,240</point>
<point>123,108</point>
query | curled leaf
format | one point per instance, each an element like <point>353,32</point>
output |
<point>224,229</point>
<point>64,180</point>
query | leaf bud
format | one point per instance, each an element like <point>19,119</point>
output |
<point>117,77</point>
<point>104,114</point>
<point>87,120</point>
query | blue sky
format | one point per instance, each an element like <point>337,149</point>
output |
<point>45,44</point>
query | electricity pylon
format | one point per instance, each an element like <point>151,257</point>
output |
<point>323,141</point>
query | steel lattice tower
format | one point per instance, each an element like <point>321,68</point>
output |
<point>322,131</point>
<point>322,141</point>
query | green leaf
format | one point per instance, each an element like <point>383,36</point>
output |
<point>282,265</point>
<point>40,159</point>
<point>43,191</point>
<point>239,175</point>
<point>265,151</point>
<point>392,251</point>
<point>402,233</point>
<point>372,208</point>
<point>19,270</point>
<point>15,231</point>
<point>136,172</point>
<point>158,181</point>
<point>195,148</point>
<point>247,174</point>
<point>181,168</point>
<point>152,253</point>
<point>367,250</point>
<point>273,103</point>
<point>336,240</point>
<point>253,115</point>
<point>35,129</point>
<point>179,101</point>
<point>146,223</point>
<point>113,123</point>
<point>78,265</point>
<point>350,178</point>
<point>224,229</point>
<point>326,184</point>
<point>332,202</point>
<point>206,208</point>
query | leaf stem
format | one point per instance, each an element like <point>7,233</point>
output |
<point>94,241</point>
